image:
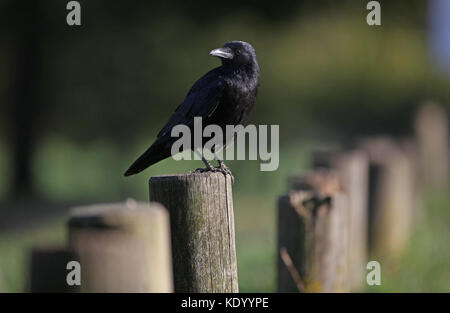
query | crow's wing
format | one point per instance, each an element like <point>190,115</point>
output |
<point>202,100</point>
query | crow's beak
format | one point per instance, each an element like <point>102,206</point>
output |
<point>224,53</point>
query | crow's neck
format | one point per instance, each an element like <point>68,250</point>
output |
<point>250,69</point>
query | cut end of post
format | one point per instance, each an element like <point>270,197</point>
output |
<point>112,214</point>
<point>190,175</point>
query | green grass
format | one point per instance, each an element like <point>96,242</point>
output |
<point>255,243</point>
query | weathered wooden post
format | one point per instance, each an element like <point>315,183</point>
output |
<point>292,237</point>
<point>433,140</point>
<point>202,225</point>
<point>391,198</point>
<point>312,235</point>
<point>122,247</point>
<point>352,166</point>
<point>48,270</point>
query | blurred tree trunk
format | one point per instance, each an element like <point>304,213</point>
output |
<point>26,100</point>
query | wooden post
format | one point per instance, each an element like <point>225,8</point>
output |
<point>391,198</point>
<point>202,223</point>
<point>411,151</point>
<point>122,247</point>
<point>48,270</point>
<point>433,140</point>
<point>312,233</point>
<point>353,168</point>
<point>292,238</point>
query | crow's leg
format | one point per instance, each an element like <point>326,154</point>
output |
<point>225,170</point>
<point>222,167</point>
<point>209,166</point>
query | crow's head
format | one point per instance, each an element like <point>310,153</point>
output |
<point>236,52</point>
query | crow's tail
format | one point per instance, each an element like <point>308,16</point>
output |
<point>157,152</point>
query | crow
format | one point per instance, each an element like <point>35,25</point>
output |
<point>223,96</point>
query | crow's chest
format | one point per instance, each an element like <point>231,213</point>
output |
<point>236,101</point>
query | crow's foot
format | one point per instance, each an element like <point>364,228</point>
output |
<point>209,167</point>
<point>204,170</point>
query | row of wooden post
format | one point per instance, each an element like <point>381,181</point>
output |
<point>358,203</point>
<point>321,227</point>
<point>354,202</point>
<point>331,216</point>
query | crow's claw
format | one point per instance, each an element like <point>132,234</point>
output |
<point>225,170</point>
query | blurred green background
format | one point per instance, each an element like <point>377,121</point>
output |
<point>79,104</point>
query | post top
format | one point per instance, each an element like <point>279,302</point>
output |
<point>112,215</point>
<point>190,175</point>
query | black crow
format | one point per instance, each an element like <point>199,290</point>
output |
<point>223,96</point>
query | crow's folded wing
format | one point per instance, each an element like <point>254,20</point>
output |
<point>202,100</point>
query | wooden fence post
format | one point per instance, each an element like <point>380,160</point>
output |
<point>433,141</point>
<point>312,234</point>
<point>391,198</point>
<point>122,247</point>
<point>202,224</point>
<point>412,153</point>
<point>292,239</point>
<point>353,168</point>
